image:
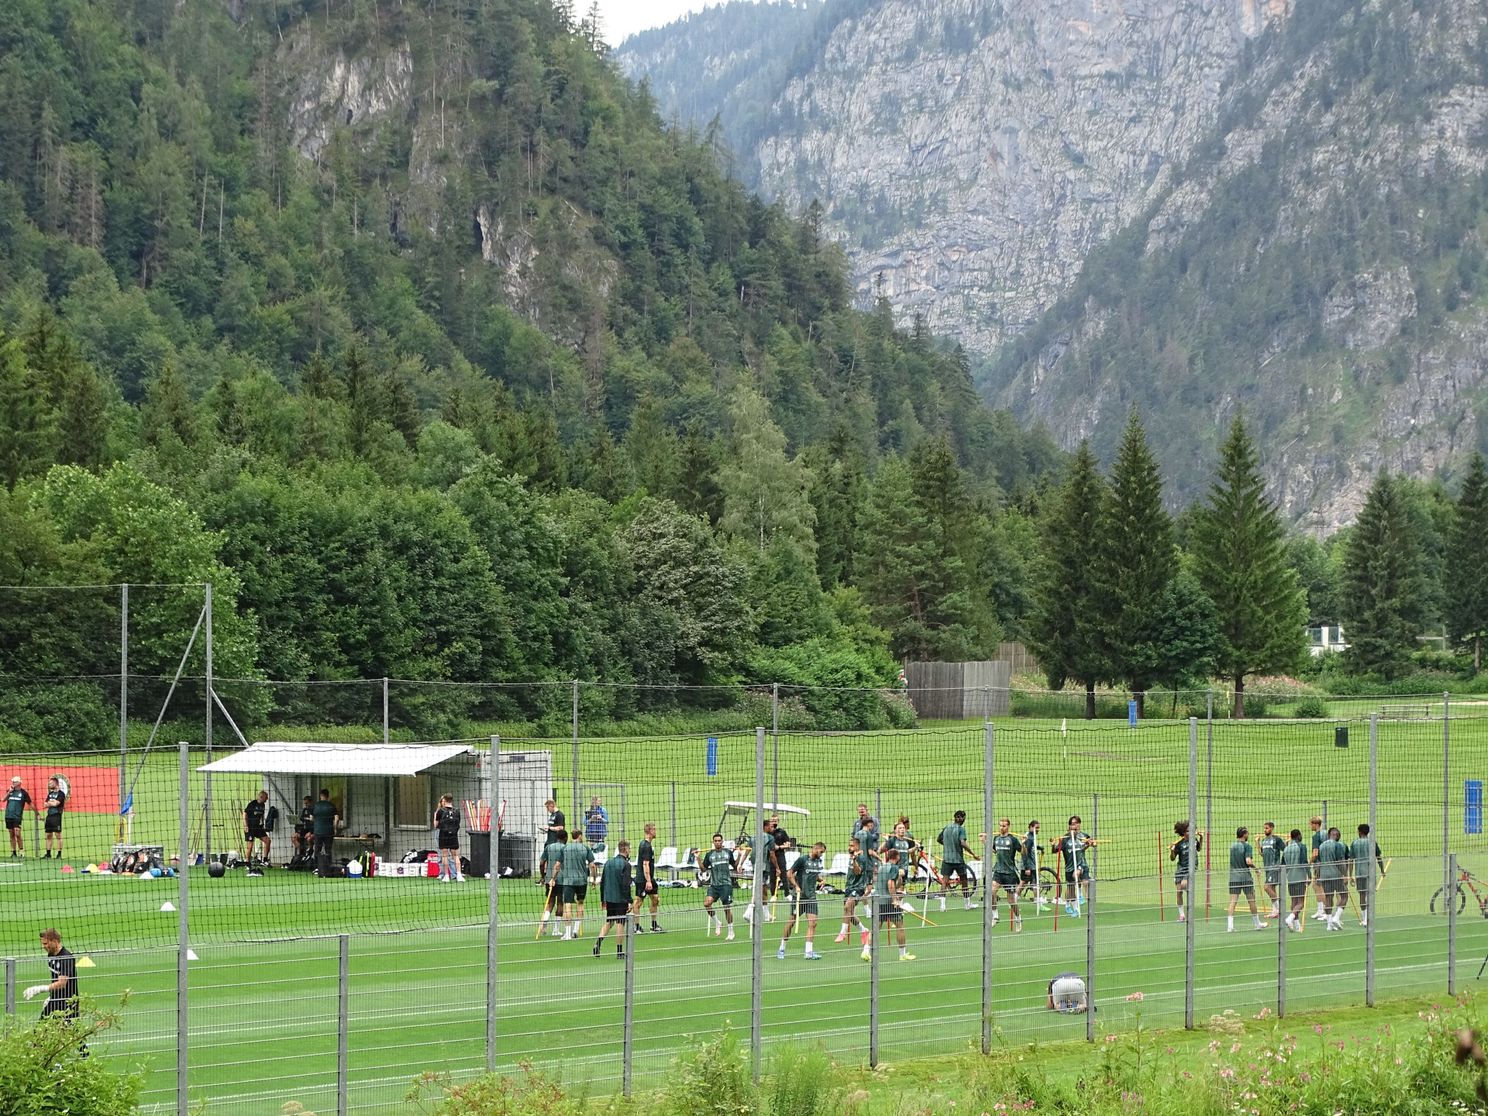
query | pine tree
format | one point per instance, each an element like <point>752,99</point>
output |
<point>27,423</point>
<point>1140,562</point>
<point>1381,603</point>
<point>1467,564</point>
<point>1067,629</point>
<point>1240,560</point>
<point>765,493</point>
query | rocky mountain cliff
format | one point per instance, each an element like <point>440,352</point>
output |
<point>1186,207</point>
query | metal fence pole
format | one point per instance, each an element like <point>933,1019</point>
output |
<point>1281,940</point>
<point>343,1004</point>
<point>385,723</point>
<point>989,742</point>
<point>1451,901</point>
<point>628,1057</point>
<point>1092,882</point>
<point>10,978</point>
<point>207,786</point>
<point>493,905</point>
<point>183,939</point>
<point>674,814</point>
<point>756,899</point>
<point>1449,875</point>
<point>1188,914</point>
<point>574,818</point>
<point>775,741</point>
<point>1371,913</point>
<point>123,693</point>
<point>875,939</point>
<point>1208,797</point>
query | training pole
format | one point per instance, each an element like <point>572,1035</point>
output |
<point>1162,913</point>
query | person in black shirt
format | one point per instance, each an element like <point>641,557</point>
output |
<point>16,801</point>
<point>303,828</point>
<point>62,989</point>
<point>645,878</point>
<point>447,821</point>
<point>556,828</point>
<point>324,817</point>
<point>253,827</point>
<point>56,800</point>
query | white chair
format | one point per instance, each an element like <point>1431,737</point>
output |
<point>839,866</point>
<point>667,862</point>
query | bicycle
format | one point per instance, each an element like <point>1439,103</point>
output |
<point>1464,877</point>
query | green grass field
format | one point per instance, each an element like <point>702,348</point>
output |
<point>263,994</point>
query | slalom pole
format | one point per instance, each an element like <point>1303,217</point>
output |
<point>1162,914</point>
<point>547,903</point>
<point>1058,880</point>
<point>1206,877</point>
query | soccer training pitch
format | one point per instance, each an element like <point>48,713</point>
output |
<point>264,993</point>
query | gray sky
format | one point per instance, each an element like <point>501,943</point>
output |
<point>626,17</point>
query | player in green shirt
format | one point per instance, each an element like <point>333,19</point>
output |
<point>1318,836</point>
<point>1270,846</point>
<point>953,866</point>
<point>614,892</point>
<point>1179,854</point>
<point>719,864</point>
<point>1242,864</point>
<point>1333,875</point>
<point>1365,856</point>
<point>1071,850</point>
<point>575,867</point>
<point>1006,849</point>
<point>768,862</point>
<point>858,883</point>
<point>1294,869</point>
<point>807,871</point>
<point>910,855</point>
<point>552,860</point>
<point>888,902</point>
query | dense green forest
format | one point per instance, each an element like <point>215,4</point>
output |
<point>504,380</point>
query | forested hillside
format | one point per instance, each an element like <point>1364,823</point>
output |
<point>413,329</point>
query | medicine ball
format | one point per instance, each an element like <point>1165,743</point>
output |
<point>216,869</point>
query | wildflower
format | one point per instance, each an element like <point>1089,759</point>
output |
<point>1235,1047</point>
<point>1226,1072</point>
<point>1135,997</point>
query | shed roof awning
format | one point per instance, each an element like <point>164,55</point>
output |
<point>289,758</point>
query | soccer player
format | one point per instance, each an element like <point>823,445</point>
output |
<point>614,892</point>
<point>807,871</point>
<point>887,901</point>
<point>1332,876</point>
<point>903,842</point>
<point>1005,851</point>
<point>1364,865</point>
<point>300,839</point>
<point>56,801</point>
<point>16,801</point>
<point>324,819</point>
<point>548,868</point>
<point>62,989</point>
<point>1318,836</point>
<point>1029,871</point>
<point>863,818</point>
<point>1271,845</point>
<point>719,863</point>
<point>596,825</point>
<point>1178,853</point>
<point>253,826</point>
<point>556,827</point>
<point>1294,868</point>
<point>447,822</point>
<point>575,865</point>
<point>1071,849</point>
<point>1242,882</point>
<point>953,866</point>
<point>855,887</point>
<point>868,835</point>
<point>645,878</point>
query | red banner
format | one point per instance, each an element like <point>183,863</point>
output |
<point>92,790</point>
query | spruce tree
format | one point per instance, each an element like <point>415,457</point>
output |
<point>1381,605</point>
<point>1467,564</point>
<point>1067,629</point>
<point>1240,560</point>
<point>1140,561</point>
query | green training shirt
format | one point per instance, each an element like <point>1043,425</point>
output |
<point>1294,856</point>
<point>614,880</point>
<point>1073,846</point>
<point>1240,852</point>
<point>720,865</point>
<point>859,872</point>
<point>1005,851</point>
<point>1331,855</point>
<point>886,872</point>
<point>807,870</point>
<point>1364,864</point>
<point>574,865</point>
<point>1271,850</point>
<point>953,838</point>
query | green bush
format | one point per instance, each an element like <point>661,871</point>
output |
<point>803,1083</point>
<point>714,1080</point>
<point>1312,707</point>
<point>44,1073</point>
<point>58,717</point>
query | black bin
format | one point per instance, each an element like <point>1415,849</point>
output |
<point>1340,736</point>
<point>480,853</point>
<point>515,854</point>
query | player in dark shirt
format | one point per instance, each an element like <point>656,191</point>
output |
<point>645,879</point>
<point>303,828</point>
<point>16,801</point>
<point>447,822</point>
<point>253,827</point>
<point>323,820</point>
<point>62,989</point>
<point>556,827</point>
<point>56,801</point>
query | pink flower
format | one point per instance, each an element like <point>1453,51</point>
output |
<point>1227,1073</point>
<point>1135,997</point>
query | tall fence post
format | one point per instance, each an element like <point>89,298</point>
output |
<point>775,741</point>
<point>989,822</point>
<point>673,841</point>
<point>1451,901</point>
<point>875,940</point>
<point>493,904</point>
<point>386,725</point>
<point>573,822</point>
<point>1281,942</point>
<point>343,1015</point>
<point>756,900</point>
<point>1449,874</point>
<point>1371,912</point>
<point>123,693</point>
<point>10,979</point>
<point>207,784</point>
<point>1092,882</point>
<point>628,1054</point>
<point>1188,913</point>
<point>183,939</point>
<point>1208,797</point>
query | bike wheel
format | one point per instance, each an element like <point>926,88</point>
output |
<point>1440,908</point>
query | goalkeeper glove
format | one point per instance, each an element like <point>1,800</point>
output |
<point>36,990</point>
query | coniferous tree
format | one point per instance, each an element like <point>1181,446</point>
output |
<point>1140,561</point>
<point>1467,564</point>
<point>1067,629</point>
<point>1381,601</point>
<point>1240,560</point>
